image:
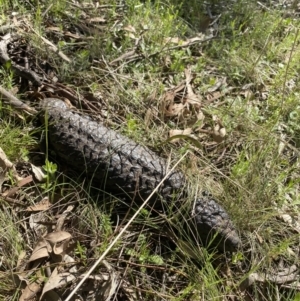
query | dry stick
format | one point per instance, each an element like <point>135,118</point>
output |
<point>52,46</point>
<point>15,102</point>
<point>122,231</point>
<point>130,54</point>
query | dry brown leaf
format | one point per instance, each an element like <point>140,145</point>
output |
<point>62,248</point>
<point>21,258</point>
<point>220,82</point>
<point>62,218</point>
<point>259,238</point>
<point>287,275</point>
<point>247,86</point>
<point>57,280</point>
<point>11,192</point>
<point>195,39</point>
<point>43,205</point>
<point>6,165</point>
<point>129,28</point>
<point>72,35</point>
<point>281,147</point>
<point>288,219</point>
<point>54,28</point>
<point>179,88</point>
<point>68,259</point>
<point>200,116</point>
<point>38,173</point>
<point>186,132</point>
<point>248,94</point>
<point>167,61</point>
<point>188,75</point>
<point>214,96</point>
<point>191,97</point>
<point>131,35</point>
<point>264,95</point>
<point>41,250</point>
<point>34,222</point>
<point>178,41</point>
<point>97,20</point>
<point>174,109</point>
<point>25,181</point>
<point>4,162</point>
<point>148,117</point>
<point>2,176</point>
<point>30,291</point>
<point>219,133</point>
<point>55,237</point>
<point>169,97</point>
<point>21,182</point>
<point>109,287</point>
<point>175,40</point>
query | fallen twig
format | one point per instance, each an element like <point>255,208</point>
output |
<point>6,165</point>
<point>52,47</point>
<point>130,54</point>
<point>76,99</point>
<point>16,103</point>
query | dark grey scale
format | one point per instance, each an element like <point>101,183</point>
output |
<point>130,169</point>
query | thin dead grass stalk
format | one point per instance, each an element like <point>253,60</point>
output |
<point>123,230</point>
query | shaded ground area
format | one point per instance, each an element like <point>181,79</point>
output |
<point>220,81</point>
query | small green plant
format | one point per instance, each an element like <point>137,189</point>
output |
<point>50,169</point>
<point>81,251</point>
<point>132,125</point>
<point>7,75</point>
<point>144,257</point>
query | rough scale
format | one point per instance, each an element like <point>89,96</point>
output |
<point>129,169</point>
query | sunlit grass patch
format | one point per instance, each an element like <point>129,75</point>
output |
<point>12,247</point>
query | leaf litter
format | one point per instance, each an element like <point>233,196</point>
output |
<point>51,252</point>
